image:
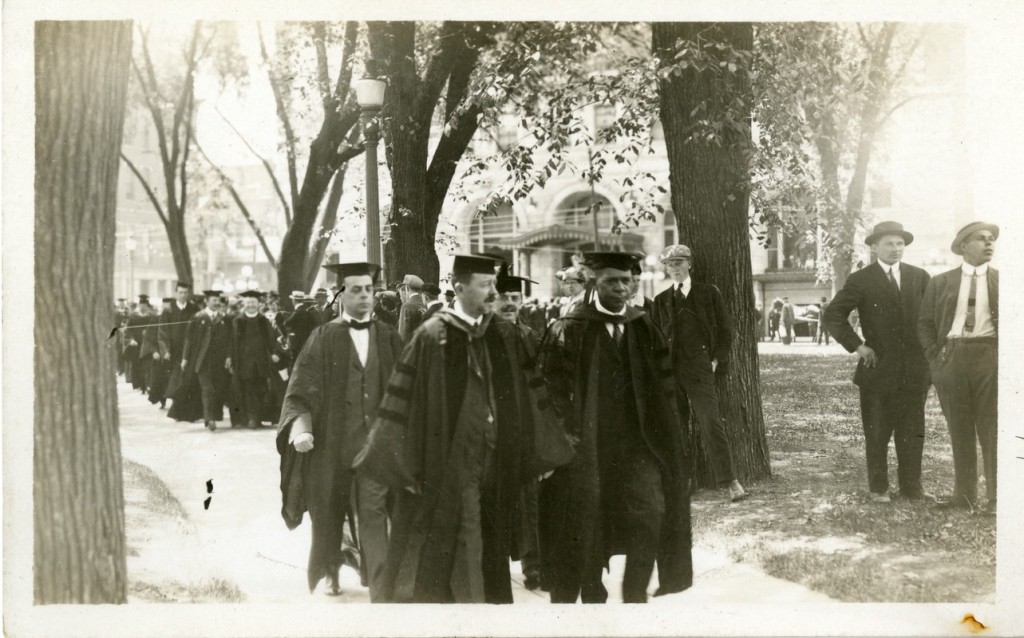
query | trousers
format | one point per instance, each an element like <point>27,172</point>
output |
<point>965,374</point>
<point>899,411</point>
<point>695,389</point>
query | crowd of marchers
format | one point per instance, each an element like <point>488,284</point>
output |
<point>453,433</point>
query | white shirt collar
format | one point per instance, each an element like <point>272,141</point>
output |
<point>350,319</point>
<point>684,285</point>
<point>181,306</point>
<point>461,314</point>
<point>252,316</point>
<point>895,268</point>
<point>971,270</point>
<point>600,308</point>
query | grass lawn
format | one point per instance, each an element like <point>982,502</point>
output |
<point>812,521</point>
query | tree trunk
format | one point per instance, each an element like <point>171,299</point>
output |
<point>327,223</point>
<point>711,201</point>
<point>81,81</point>
<point>180,251</point>
<point>291,265</point>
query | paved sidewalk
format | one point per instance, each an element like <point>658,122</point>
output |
<point>242,539</point>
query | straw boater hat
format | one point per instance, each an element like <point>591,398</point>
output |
<point>968,230</point>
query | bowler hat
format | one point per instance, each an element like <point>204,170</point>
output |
<point>882,229</point>
<point>970,229</point>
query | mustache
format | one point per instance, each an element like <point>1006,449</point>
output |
<point>508,308</point>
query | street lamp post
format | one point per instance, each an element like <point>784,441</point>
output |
<point>370,96</point>
<point>130,245</point>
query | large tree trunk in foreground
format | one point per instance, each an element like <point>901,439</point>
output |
<point>81,77</point>
<point>710,201</point>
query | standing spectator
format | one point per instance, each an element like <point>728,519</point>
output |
<point>252,357</point>
<point>959,330</point>
<point>207,354</point>
<point>573,287</point>
<point>463,424</point>
<point>607,369</point>
<point>301,322</point>
<point>787,321</point>
<point>774,319</point>
<point>410,316</point>
<point>430,293</point>
<point>892,373</point>
<point>822,328</point>
<point>698,329</point>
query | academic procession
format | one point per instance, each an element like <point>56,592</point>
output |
<point>498,309</point>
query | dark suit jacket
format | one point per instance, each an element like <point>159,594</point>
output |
<point>242,357</point>
<point>410,317</point>
<point>715,322</point>
<point>205,335</point>
<point>429,312</point>
<point>889,323</point>
<point>939,305</point>
<point>171,335</point>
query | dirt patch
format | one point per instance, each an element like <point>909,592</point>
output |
<point>813,523</point>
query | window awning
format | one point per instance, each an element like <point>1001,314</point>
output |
<point>557,234</point>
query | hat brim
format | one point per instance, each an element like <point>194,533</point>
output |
<point>873,238</point>
<point>966,232</point>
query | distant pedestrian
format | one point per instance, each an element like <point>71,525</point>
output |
<point>822,327</point>
<point>410,316</point>
<point>788,318</point>
<point>959,330</point>
<point>774,319</point>
<point>252,359</point>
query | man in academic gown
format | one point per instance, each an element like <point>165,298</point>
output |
<point>608,371</point>
<point>136,370</point>
<point>332,399</point>
<point>463,425</point>
<point>187,403</point>
<point>160,370</point>
<point>207,354</point>
<point>252,358</point>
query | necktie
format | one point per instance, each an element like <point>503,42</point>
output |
<point>971,300</point>
<point>892,282</point>
<point>358,325</point>
<point>617,333</point>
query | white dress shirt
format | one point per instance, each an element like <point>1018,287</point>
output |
<point>895,268</point>
<point>461,314</point>
<point>685,286</point>
<point>983,326</point>
<point>360,338</point>
<point>609,325</point>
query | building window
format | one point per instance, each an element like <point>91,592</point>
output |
<point>488,232</point>
<point>604,117</point>
<point>576,211</point>
<point>671,230</point>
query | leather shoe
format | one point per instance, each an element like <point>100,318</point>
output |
<point>211,426</point>
<point>532,582</point>
<point>955,503</point>
<point>736,492</point>
<point>916,496</point>
<point>880,498</point>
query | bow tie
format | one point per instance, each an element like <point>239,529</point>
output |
<point>358,325</point>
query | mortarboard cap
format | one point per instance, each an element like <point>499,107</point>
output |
<point>618,261</point>
<point>512,283</point>
<point>354,269</point>
<point>254,294</point>
<point>168,299</point>
<point>470,264</point>
<point>211,293</point>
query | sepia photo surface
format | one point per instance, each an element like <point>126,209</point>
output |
<point>869,157</point>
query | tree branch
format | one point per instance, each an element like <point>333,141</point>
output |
<point>330,218</point>
<point>323,80</point>
<point>226,181</point>
<point>344,85</point>
<point>882,120</point>
<point>282,116</point>
<point>266,166</point>
<point>146,187</point>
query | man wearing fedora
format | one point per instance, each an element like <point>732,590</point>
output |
<point>958,329</point>
<point>411,314</point>
<point>892,372</point>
